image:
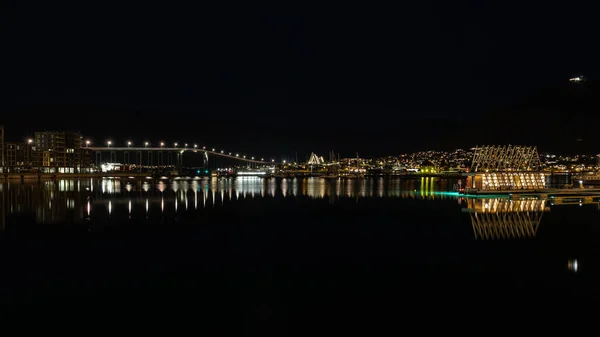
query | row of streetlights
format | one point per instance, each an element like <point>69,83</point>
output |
<point>162,144</point>
<point>146,144</point>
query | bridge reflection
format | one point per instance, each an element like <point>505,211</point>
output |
<point>502,218</point>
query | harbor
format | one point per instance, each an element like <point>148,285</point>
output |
<point>515,172</point>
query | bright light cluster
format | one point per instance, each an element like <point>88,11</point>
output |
<point>513,180</point>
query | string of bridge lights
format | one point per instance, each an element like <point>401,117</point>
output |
<point>186,146</point>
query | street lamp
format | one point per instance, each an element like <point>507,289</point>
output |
<point>109,143</point>
<point>195,146</point>
<point>175,144</point>
<point>237,154</point>
<point>185,145</point>
<point>252,158</point>
<point>28,153</point>
<point>162,144</point>
<point>204,148</point>
<point>146,144</point>
<point>272,160</point>
<point>87,143</point>
<point>213,150</point>
<point>221,151</point>
<point>128,143</point>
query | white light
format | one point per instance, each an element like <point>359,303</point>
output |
<point>221,151</point>
<point>243,173</point>
<point>213,150</point>
<point>162,144</point>
<point>573,265</point>
<point>195,146</point>
<point>175,144</point>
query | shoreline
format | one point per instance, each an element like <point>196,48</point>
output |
<point>58,176</point>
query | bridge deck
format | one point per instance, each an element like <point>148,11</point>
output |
<point>176,149</point>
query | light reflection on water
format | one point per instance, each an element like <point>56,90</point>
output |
<point>503,218</point>
<point>67,200</point>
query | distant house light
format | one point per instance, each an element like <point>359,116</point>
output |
<point>577,79</point>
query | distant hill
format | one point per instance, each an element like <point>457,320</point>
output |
<point>563,118</point>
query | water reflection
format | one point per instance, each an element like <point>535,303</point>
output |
<point>503,218</point>
<point>69,200</point>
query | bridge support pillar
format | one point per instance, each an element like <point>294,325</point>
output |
<point>139,160</point>
<point>179,161</point>
<point>126,157</point>
<point>113,157</point>
<point>98,158</point>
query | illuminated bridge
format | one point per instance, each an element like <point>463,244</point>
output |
<point>168,156</point>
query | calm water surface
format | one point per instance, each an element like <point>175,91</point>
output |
<point>284,256</point>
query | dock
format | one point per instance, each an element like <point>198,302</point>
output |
<point>546,192</point>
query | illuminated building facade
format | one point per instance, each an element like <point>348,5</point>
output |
<point>18,155</point>
<point>59,151</point>
<point>505,168</point>
<point>315,160</point>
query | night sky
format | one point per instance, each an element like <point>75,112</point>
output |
<point>271,79</point>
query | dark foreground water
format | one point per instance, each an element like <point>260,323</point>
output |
<point>294,257</point>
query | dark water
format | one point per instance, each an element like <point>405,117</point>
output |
<point>294,257</point>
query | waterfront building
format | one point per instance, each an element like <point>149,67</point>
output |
<point>18,156</point>
<point>59,152</point>
<point>502,168</point>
